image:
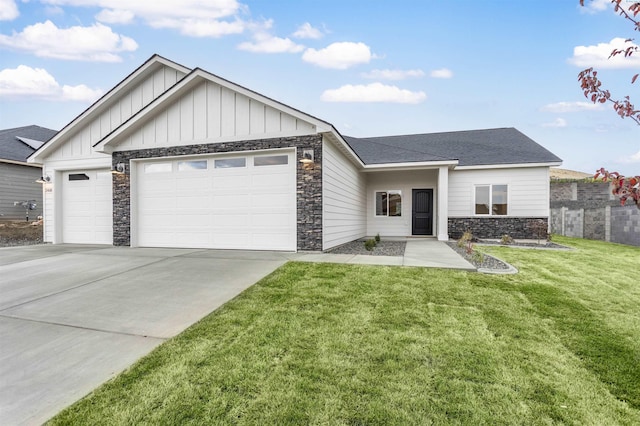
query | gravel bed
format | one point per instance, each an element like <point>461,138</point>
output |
<point>383,248</point>
<point>19,242</point>
<point>488,262</point>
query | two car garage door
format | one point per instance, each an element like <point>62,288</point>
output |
<point>223,202</point>
<point>226,202</point>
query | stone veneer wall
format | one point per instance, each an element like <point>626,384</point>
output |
<point>308,183</point>
<point>494,227</point>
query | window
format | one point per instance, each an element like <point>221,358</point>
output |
<point>78,176</point>
<point>227,163</point>
<point>157,167</point>
<point>491,200</point>
<point>192,165</point>
<point>271,160</point>
<point>388,203</point>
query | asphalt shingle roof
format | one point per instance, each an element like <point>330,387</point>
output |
<point>470,148</point>
<point>12,148</point>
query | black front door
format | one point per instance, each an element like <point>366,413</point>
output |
<point>422,217</point>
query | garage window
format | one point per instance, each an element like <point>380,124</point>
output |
<point>157,167</point>
<point>271,160</point>
<point>78,176</point>
<point>227,163</point>
<point>192,165</point>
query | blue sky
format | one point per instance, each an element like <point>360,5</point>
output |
<point>370,68</point>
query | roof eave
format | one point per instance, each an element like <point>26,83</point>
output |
<point>421,165</point>
<point>509,165</point>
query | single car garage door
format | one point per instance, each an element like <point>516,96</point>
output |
<point>87,207</point>
<point>240,201</point>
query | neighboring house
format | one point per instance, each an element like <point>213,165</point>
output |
<point>17,177</point>
<point>174,157</point>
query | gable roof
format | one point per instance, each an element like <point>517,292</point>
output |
<point>504,146</point>
<point>104,102</point>
<point>19,143</point>
<point>195,77</point>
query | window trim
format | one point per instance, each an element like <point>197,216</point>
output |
<point>490,186</point>
<point>388,192</point>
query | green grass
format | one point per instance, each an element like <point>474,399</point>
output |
<point>342,344</point>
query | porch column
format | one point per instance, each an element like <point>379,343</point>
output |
<point>443,204</point>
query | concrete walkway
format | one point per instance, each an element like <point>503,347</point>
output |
<point>73,316</point>
<point>420,252</point>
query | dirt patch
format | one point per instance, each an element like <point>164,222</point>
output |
<point>20,233</point>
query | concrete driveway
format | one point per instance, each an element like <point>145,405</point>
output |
<point>71,317</point>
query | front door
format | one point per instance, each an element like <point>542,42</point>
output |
<point>422,217</point>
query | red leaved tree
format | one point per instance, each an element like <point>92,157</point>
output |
<point>624,188</point>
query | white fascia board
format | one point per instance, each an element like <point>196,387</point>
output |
<point>508,166</point>
<point>105,145</point>
<point>334,136</point>
<point>191,80</point>
<point>410,166</point>
<point>97,106</point>
<point>321,126</point>
<point>20,163</point>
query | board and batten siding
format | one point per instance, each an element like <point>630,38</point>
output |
<point>209,113</point>
<point>80,144</point>
<point>528,192</point>
<point>344,200</point>
<point>404,181</point>
<point>18,183</point>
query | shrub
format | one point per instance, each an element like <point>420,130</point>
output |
<point>506,239</point>
<point>370,244</point>
<point>465,239</point>
<point>477,256</point>
<point>377,238</point>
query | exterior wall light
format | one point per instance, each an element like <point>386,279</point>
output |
<point>118,169</point>
<point>307,156</point>
<point>44,179</point>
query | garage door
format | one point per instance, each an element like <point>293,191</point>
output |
<point>222,202</point>
<point>87,207</point>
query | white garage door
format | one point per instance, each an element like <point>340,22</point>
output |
<point>87,207</point>
<point>222,202</point>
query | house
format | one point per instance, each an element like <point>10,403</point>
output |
<point>17,176</point>
<point>179,157</point>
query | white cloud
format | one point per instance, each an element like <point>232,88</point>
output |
<point>632,159</point>
<point>374,92</point>
<point>196,18</point>
<point>598,56</point>
<point>8,10</point>
<point>561,107</point>
<point>271,44</point>
<point>25,81</point>
<point>341,55</point>
<point>307,31</point>
<point>95,43</point>
<point>393,74</point>
<point>557,123</point>
<point>111,16</point>
<point>594,6</point>
<point>441,73</point>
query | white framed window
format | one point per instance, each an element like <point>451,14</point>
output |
<point>491,200</point>
<point>190,165</point>
<point>228,163</point>
<point>157,167</point>
<point>271,160</point>
<point>389,203</point>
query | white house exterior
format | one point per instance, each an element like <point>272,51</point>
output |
<point>173,157</point>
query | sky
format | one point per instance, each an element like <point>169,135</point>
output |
<point>370,68</point>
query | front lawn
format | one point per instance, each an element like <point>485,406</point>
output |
<point>344,344</point>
